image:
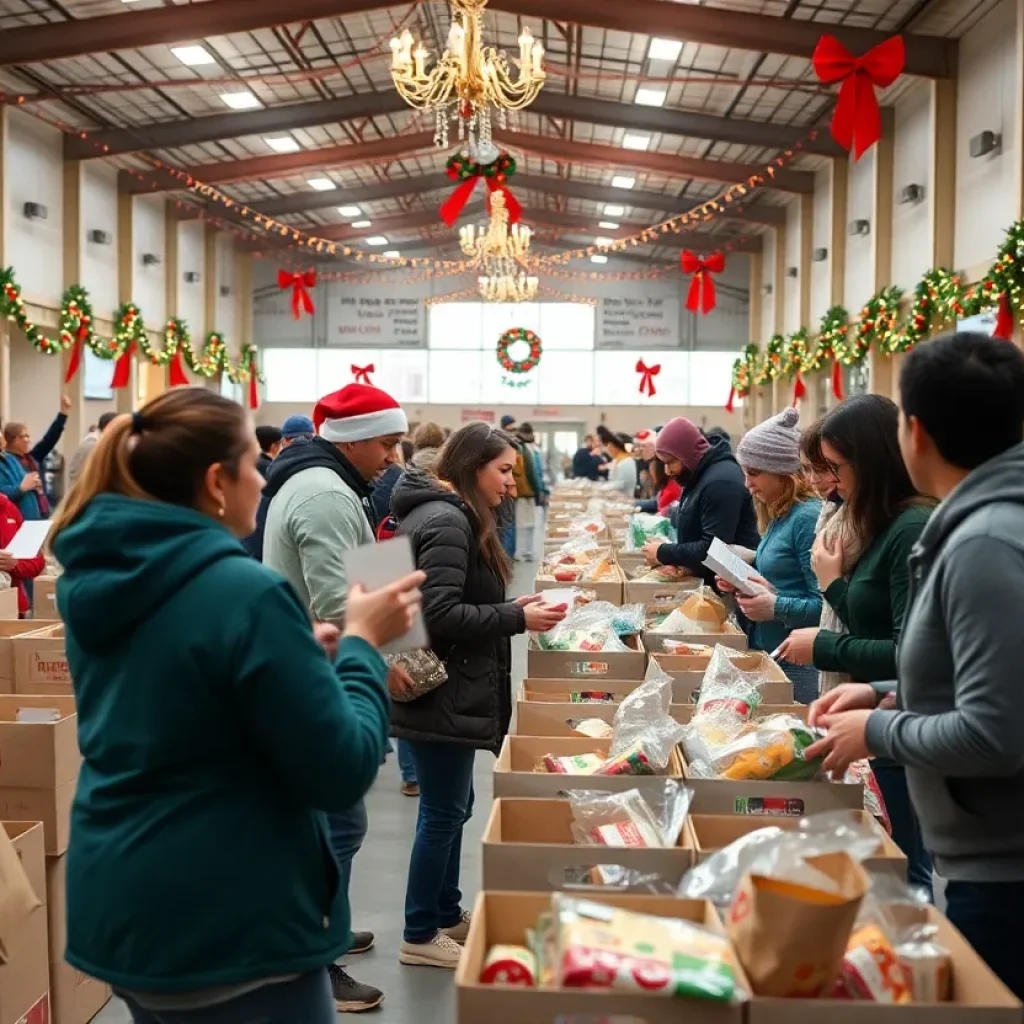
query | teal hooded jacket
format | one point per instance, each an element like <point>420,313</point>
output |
<point>214,734</point>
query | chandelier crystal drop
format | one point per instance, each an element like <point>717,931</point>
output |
<point>469,80</point>
<point>514,287</point>
<point>499,241</point>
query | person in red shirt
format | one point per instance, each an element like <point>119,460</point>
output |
<point>19,569</point>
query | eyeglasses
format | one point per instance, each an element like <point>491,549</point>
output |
<point>835,467</point>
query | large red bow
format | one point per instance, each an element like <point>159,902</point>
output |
<point>857,121</point>
<point>730,402</point>
<point>361,374</point>
<point>701,297</point>
<point>647,380</point>
<point>300,285</point>
<point>1004,319</point>
<point>454,204</point>
<point>76,353</point>
<point>123,368</point>
<point>799,389</point>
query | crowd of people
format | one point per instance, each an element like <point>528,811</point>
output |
<point>887,545</point>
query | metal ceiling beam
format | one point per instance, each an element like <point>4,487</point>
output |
<point>927,56</point>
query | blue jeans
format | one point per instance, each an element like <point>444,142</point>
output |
<point>989,914</point>
<point>508,539</point>
<point>405,762</point>
<point>432,897</point>
<point>306,1000</point>
<point>348,830</point>
<point>906,832</point>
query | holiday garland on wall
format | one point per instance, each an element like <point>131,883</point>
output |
<point>77,331</point>
<point>939,300</point>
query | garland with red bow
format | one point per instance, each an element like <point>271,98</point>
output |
<point>361,374</point>
<point>467,173</point>
<point>701,296</point>
<point>302,301</point>
<point>647,375</point>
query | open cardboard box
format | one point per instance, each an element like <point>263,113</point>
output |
<point>44,598</point>
<point>604,590</point>
<point>687,672</point>
<point>655,594</point>
<point>514,774</point>
<point>588,665</point>
<point>8,604</point>
<point>712,832</point>
<point>561,691</point>
<point>979,997</point>
<point>528,847</point>
<point>730,636</point>
<point>503,918</point>
<point>8,630</point>
<point>41,663</point>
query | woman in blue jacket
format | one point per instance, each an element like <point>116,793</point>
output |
<point>214,731</point>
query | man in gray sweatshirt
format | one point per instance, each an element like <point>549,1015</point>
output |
<point>958,723</point>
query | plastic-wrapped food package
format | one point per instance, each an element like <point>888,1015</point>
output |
<point>569,764</point>
<point>644,734</point>
<point>424,668</point>
<point>630,818</point>
<point>660,574</point>
<point>874,803</point>
<point>645,527</point>
<point>772,748</point>
<point>595,728</point>
<point>684,647</point>
<point>594,627</point>
<point>615,876</point>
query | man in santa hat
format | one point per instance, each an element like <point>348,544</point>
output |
<point>321,506</point>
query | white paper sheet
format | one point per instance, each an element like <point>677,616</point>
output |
<point>731,568</point>
<point>29,540</point>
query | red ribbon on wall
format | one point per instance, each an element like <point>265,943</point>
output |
<point>647,380</point>
<point>701,297</point>
<point>76,353</point>
<point>300,285</point>
<point>799,388</point>
<point>176,371</point>
<point>123,368</point>
<point>837,382</point>
<point>1004,319</point>
<point>254,392</point>
<point>731,403</point>
<point>857,121</point>
<point>361,374</point>
<point>453,206</point>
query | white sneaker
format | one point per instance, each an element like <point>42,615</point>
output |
<point>440,951</point>
<point>460,932</point>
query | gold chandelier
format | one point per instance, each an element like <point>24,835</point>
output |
<point>469,79</point>
<point>514,287</point>
<point>499,242</point>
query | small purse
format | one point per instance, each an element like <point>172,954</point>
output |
<point>424,668</point>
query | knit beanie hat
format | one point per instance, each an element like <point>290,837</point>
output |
<point>358,412</point>
<point>773,446</point>
<point>682,440</point>
<point>297,426</point>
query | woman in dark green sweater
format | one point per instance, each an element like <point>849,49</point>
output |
<point>214,731</point>
<point>859,440</point>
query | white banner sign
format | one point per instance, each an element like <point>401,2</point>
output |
<point>641,322</point>
<point>385,318</point>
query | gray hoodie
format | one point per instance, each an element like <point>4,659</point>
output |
<point>959,727</point>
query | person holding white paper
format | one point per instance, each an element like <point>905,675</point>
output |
<point>18,570</point>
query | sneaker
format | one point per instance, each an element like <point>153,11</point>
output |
<point>440,951</point>
<point>350,996</point>
<point>410,789</point>
<point>460,932</point>
<point>362,942</point>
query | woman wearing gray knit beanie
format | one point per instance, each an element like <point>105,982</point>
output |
<point>787,516</point>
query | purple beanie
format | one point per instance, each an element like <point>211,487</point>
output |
<point>773,446</point>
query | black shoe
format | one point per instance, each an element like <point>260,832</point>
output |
<point>362,942</point>
<point>350,996</point>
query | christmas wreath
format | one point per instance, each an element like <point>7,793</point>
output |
<point>464,170</point>
<point>508,339</point>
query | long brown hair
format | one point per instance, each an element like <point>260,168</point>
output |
<point>161,452</point>
<point>796,489</point>
<point>464,454</point>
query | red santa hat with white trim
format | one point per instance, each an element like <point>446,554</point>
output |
<point>358,412</point>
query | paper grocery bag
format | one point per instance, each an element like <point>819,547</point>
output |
<point>790,937</point>
<point>17,898</point>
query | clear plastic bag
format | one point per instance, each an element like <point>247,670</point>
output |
<point>644,734</point>
<point>594,728</point>
<point>424,668</point>
<point>619,878</point>
<point>630,819</point>
<point>645,527</point>
<point>772,748</point>
<point>594,627</point>
<point>660,574</point>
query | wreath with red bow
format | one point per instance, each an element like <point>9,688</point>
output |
<point>508,339</point>
<point>467,172</point>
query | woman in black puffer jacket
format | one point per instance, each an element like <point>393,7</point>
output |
<point>450,520</point>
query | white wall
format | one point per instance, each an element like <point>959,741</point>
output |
<point>821,238</point>
<point>860,249</point>
<point>148,282</point>
<point>987,100</point>
<point>226,319</point>
<point>99,212</point>
<point>791,285</point>
<point>768,278</point>
<point>34,174</point>
<point>191,298</point>
<point>36,384</point>
<point>912,243</point>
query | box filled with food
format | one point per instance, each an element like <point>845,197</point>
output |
<point>576,691</point>
<point>699,618</point>
<point>588,568</point>
<point>688,671</point>
<point>597,640</point>
<point>658,587</point>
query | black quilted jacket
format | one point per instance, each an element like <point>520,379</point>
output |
<point>467,616</point>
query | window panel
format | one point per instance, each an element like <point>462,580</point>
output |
<point>710,377</point>
<point>501,387</point>
<point>291,374</point>
<point>616,381</point>
<point>455,378</point>
<point>455,325</point>
<point>567,325</point>
<point>566,378</point>
<point>98,375</point>
<point>499,317</point>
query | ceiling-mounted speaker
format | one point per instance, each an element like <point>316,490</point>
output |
<point>859,227</point>
<point>910,194</point>
<point>767,289</point>
<point>98,237</point>
<point>820,255</point>
<point>225,290</point>
<point>34,211</point>
<point>984,143</point>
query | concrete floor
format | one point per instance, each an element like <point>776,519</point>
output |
<point>378,888</point>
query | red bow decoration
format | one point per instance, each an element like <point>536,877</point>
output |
<point>1004,320</point>
<point>453,206</point>
<point>300,285</point>
<point>837,382</point>
<point>361,374</point>
<point>123,368</point>
<point>701,297</point>
<point>857,121</point>
<point>647,380</point>
<point>76,353</point>
<point>176,371</point>
<point>799,389</point>
<point>731,403</point>
<point>254,392</point>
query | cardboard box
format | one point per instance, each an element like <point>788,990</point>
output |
<point>8,603</point>
<point>713,832</point>
<point>44,598</point>
<point>561,690</point>
<point>588,665</point>
<point>979,997</point>
<point>27,839</point>
<point>655,594</point>
<point>39,764</point>
<point>9,629</point>
<point>730,636</point>
<point>528,847</point>
<point>514,774</point>
<point>41,663</point>
<point>75,997</point>
<point>604,590</point>
<point>687,670</point>
<point>504,918</point>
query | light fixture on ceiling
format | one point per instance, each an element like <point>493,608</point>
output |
<point>609,225</point>
<point>321,184</point>
<point>637,141</point>
<point>392,254</point>
<point>861,226</point>
<point>469,80</point>
<point>664,49</point>
<point>984,143</point>
<point>193,56</point>
<point>603,242</point>
<point>820,255</point>
<point>910,195</point>
<point>508,287</point>
<point>241,100</point>
<point>598,258</point>
<point>623,181</point>
<point>361,223</point>
<point>281,143</point>
<point>614,210</point>
<point>650,96</point>
<point>376,240</point>
<point>499,247</point>
<point>350,211</point>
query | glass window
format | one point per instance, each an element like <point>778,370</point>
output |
<point>566,378</point>
<point>455,378</point>
<point>617,382</point>
<point>291,374</point>
<point>567,325</point>
<point>98,375</point>
<point>455,325</point>
<point>710,377</point>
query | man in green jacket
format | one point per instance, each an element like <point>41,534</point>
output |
<point>320,494</point>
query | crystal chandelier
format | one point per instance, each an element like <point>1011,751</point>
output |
<point>499,242</point>
<point>469,79</point>
<point>514,287</point>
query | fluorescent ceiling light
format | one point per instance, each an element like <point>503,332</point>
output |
<point>376,240</point>
<point>598,258</point>
<point>634,140</point>
<point>603,241</point>
<point>609,225</point>
<point>193,56</point>
<point>241,100</point>
<point>361,223</point>
<point>392,254</point>
<point>321,184</point>
<point>614,210</point>
<point>349,211</point>
<point>282,143</point>
<point>623,181</point>
<point>664,49</point>
<point>650,96</point>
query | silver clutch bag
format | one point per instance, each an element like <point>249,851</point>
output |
<point>424,668</point>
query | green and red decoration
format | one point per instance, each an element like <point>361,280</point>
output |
<point>518,367</point>
<point>647,375</point>
<point>701,296</point>
<point>300,284</point>
<point>361,374</point>
<point>857,120</point>
<point>467,172</point>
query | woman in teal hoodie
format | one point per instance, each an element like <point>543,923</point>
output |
<point>214,731</point>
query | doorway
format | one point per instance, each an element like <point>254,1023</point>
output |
<point>558,443</point>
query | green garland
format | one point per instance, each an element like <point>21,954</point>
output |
<point>771,366</point>
<point>743,371</point>
<point>796,353</point>
<point>78,321</point>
